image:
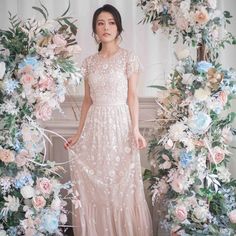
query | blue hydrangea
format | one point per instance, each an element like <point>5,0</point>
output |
<point>31,61</point>
<point>49,222</point>
<point>203,66</point>
<point>25,179</point>
<point>185,158</point>
<point>10,85</point>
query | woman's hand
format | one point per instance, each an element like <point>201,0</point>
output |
<point>71,141</point>
<point>139,140</point>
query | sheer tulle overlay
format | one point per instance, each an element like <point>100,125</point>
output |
<point>105,162</point>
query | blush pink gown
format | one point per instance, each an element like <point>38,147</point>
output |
<point>105,162</point>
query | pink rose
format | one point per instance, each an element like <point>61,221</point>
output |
<point>201,16</point>
<point>46,83</point>
<point>232,216</point>
<point>181,213</point>
<point>38,202</point>
<point>44,185</point>
<point>27,80</point>
<point>6,155</point>
<point>59,40</point>
<point>43,111</point>
<point>218,155</point>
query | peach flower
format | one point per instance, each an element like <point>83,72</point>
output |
<point>182,23</point>
<point>177,184</point>
<point>59,40</point>
<point>155,25</point>
<point>38,202</point>
<point>21,158</point>
<point>201,16</point>
<point>223,97</point>
<point>6,155</point>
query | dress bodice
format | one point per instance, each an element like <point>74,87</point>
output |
<point>108,77</point>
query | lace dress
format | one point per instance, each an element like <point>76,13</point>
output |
<point>105,162</point>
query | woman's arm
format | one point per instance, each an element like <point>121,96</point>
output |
<point>87,101</point>
<point>134,110</point>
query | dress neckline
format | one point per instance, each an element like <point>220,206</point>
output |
<point>110,57</point>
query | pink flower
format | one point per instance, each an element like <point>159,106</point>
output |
<point>46,83</point>
<point>223,97</point>
<point>59,40</point>
<point>182,23</point>
<point>27,80</point>
<point>181,213</point>
<point>232,216</point>
<point>218,155</point>
<point>6,155</point>
<point>201,16</point>
<point>21,158</point>
<point>44,185</point>
<point>155,25</point>
<point>43,111</point>
<point>177,184</point>
<point>38,202</point>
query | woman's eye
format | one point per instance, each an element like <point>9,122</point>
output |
<point>112,22</point>
<point>100,23</point>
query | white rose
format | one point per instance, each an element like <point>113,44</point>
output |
<point>27,192</point>
<point>202,94</point>
<point>200,214</point>
<point>3,233</point>
<point>182,54</point>
<point>56,204</point>
<point>2,69</point>
<point>223,174</point>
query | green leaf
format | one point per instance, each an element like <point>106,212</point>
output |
<point>46,10</point>
<point>66,9</point>
<point>158,87</point>
<point>41,11</point>
<point>147,174</point>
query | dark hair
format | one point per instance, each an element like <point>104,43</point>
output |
<point>116,15</point>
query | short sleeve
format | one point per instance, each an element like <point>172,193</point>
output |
<point>84,68</point>
<point>133,64</point>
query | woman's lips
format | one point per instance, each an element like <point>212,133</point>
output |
<point>106,34</point>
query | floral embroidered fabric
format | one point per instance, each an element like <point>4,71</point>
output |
<point>105,162</point>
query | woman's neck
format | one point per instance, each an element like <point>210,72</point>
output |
<point>108,49</point>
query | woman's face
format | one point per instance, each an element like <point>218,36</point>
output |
<point>106,28</point>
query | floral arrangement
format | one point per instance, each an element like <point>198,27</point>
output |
<point>36,64</point>
<point>191,147</point>
<point>196,21</point>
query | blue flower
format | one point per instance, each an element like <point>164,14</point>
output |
<point>49,222</point>
<point>185,158</point>
<point>23,181</point>
<point>10,85</point>
<point>32,61</point>
<point>199,123</point>
<point>203,66</point>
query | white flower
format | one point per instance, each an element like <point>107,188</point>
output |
<point>200,214</point>
<point>176,131</point>
<point>27,192</point>
<point>232,216</point>
<point>3,233</point>
<point>202,94</point>
<point>182,54</point>
<point>63,218</point>
<point>56,204</point>
<point>12,203</point>
<point>223,173</point>
<point>2,69</point>
<point>187,78</point>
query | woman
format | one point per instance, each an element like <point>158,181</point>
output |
<point>105,160</point>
